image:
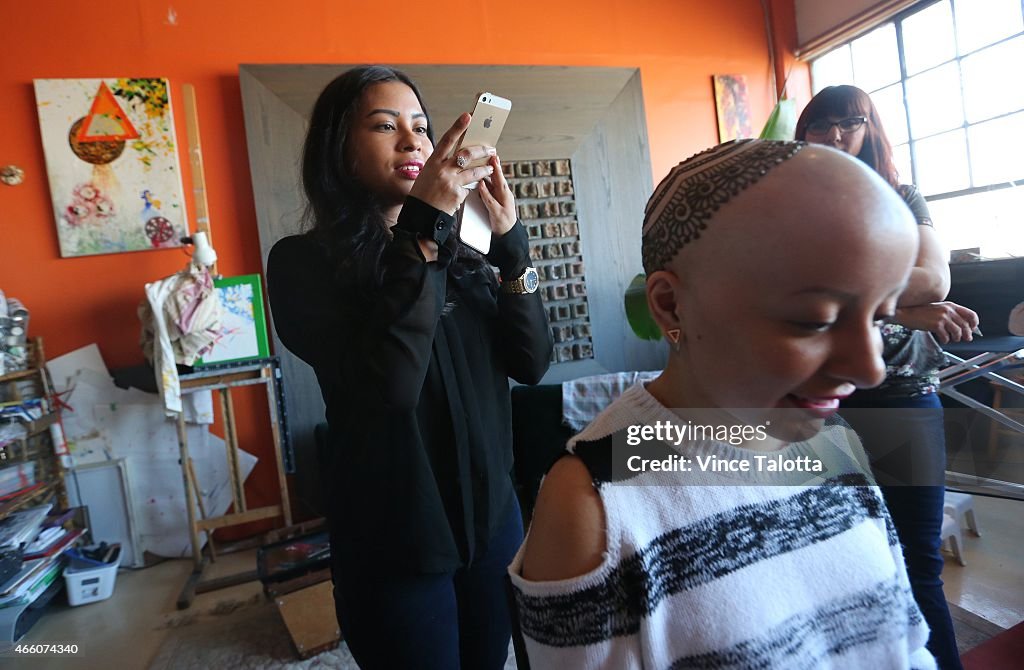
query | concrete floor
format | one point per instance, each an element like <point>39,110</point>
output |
<point>127,630</point>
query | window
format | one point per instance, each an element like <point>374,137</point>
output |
<point>945,77</point>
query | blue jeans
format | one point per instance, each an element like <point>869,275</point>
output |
<point>432,621</point>
<point>916,511</point>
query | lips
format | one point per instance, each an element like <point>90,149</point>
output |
<point>409,170</point>
<point>824,406</point>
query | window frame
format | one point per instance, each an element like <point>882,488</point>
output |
<point>912,140</point>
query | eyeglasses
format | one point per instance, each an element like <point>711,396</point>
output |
<point>847,125</point>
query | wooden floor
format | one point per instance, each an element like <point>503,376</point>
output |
<point>127,630</point>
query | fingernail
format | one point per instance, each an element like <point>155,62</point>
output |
<point>490,169</point>
<point>491,151</point>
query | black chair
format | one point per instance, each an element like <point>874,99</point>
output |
<point>538,440</point>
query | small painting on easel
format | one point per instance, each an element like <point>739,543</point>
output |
<point>732,107</point>
<point>243,332</point>
<point>112,162</point>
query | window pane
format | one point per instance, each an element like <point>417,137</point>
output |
<point>935,101</point>
<point>996,150</point>
<point>982,22</point>
<point>989,220</point>
<point>942,163</point>
<point>928,38</point>
<point>889,102</point>
<point>876,60</point>
<point>901,157</point>
<point>992,83</point>
<point>833,68</point>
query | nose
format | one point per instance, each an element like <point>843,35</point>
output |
<point>834,135</point>
<point>410,141</point>
<point>856,356</point>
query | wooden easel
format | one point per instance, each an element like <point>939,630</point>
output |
<point>223,380</point>
<point>262,371</point>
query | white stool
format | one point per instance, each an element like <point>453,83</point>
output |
<point>951,534</point>
<point>960,506</point>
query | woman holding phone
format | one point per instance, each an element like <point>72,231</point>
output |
<point>844,118</point>
<point>413,340</point>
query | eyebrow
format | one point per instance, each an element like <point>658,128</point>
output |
<point>843,295</point>
<point>395,113</point>
<point>836,293</point>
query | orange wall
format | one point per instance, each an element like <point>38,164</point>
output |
<point>678,44</point>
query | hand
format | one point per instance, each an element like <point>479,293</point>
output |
<point>498,199</point>
<point>948,321</point>
<point>441,182</point>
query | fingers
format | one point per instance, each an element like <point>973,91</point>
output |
<point>474,155</point>
<point>452,135</point>
<point>470,175</point>
<point>500,184</point>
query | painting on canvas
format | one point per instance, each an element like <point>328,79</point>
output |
<point>732,107</point>
<point>243,332</point>
<point>112,161</point>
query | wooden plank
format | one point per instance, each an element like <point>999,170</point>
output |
<point>310,618</point>
<point>190,493</point>
<point>202,508</point>
<point>242,517</point>
<point>188,592</point>
<point>231,449</point>
<point>226,581</point>
<point>225,379</point>
<point>195,156</point>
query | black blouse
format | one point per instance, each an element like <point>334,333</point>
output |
<point>417,393</point>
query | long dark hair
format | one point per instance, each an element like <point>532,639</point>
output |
<point>845,100</point>
<point>342,215</point>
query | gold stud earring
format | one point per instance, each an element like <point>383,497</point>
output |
<point>673,335</point>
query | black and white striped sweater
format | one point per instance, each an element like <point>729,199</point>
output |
<point>718,575</point>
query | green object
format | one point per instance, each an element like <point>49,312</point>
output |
<point>639,316</point>
<point>781,124</point>
<point>243,333</point>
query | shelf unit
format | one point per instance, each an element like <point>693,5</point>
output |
<point>36,445</point>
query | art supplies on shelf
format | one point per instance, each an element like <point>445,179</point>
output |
<point>21,526</point>
<point>16,477</point>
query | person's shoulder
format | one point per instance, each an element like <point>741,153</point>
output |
<point>567,536</point>
<point>296,248</point>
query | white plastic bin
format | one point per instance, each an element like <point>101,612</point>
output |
<point>90,581</point>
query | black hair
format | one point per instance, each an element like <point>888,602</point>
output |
<point>346,218</point>
<point>342,215</point>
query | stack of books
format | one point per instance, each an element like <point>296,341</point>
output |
<point>33,544</point>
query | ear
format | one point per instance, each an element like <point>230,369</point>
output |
<point>664,294</point>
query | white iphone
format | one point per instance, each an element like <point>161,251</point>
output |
<point>489,117</point>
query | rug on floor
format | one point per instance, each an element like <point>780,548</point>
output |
<point>249,638</point>
<point>253,637</point>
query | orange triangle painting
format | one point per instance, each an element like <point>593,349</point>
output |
<point>106,121</point>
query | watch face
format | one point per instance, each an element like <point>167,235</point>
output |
<point>531,280</point>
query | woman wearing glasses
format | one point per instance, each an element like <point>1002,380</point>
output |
<point>906,447</point>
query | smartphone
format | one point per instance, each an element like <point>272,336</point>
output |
<point>489,117</point>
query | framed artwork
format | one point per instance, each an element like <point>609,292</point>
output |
<point>243,333</point>
<point>732,106</point>
<point>112,162</point>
